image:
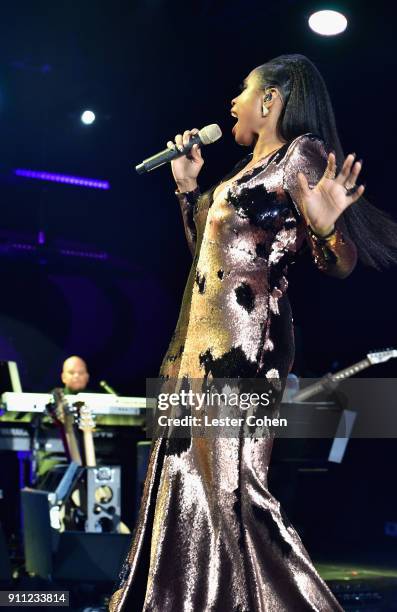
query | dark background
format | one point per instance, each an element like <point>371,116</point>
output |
<point>150,69</point>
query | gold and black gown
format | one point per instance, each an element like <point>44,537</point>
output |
<point>210,537</point>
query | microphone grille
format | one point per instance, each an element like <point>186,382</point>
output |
<point>210,133</point>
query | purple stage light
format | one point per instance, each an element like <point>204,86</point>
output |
<point>20,246</point>
<point>80,181</point>
<point>84,254</point>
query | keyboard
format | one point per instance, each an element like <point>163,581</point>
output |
<point>99,403</point>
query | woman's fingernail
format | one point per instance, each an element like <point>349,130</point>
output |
<point>360,161</point>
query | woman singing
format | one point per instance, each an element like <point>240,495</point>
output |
<point>210,536</point>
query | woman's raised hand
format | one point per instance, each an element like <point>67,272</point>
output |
<point>186,168</point>
<point>323,204</point>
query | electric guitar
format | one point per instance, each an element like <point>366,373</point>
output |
<point>331,381</point>
<point>64,417</point>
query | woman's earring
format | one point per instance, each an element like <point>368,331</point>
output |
<point>267,98</point>
<point>265,110</point>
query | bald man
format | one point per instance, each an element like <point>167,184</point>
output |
<point>74,375</point>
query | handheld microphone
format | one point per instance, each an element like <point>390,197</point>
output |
<point>206,135</point>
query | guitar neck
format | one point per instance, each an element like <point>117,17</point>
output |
<point>320,385</point>
<point>71,439</point>
<point>89,449</point>
<point>353,369</point>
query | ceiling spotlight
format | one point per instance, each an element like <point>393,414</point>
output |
<point>87,117</point>
<point>328,23</point>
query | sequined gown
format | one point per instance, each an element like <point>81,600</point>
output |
<point>210,536</point>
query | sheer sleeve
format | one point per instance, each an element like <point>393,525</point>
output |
<point>337,255</point>
<point>187,202</point>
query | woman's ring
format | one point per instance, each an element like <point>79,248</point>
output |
<point>350,190</point>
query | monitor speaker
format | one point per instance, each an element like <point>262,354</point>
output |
<point>67,555</point>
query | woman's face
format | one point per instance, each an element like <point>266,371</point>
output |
<point>248,109</point>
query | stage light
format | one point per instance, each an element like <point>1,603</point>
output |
<point>87,117</point>
<point>328,23</point>
<point>80,181</point>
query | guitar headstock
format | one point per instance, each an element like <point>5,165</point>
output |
<point>85,419</point>
<point>60,408</point>
<point>381,356</point>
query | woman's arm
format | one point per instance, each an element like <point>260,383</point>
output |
<point>187,201</point>
<point>337,254</point>
<point>185,170</point>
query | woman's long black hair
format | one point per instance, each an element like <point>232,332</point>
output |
<point>307,108</point>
